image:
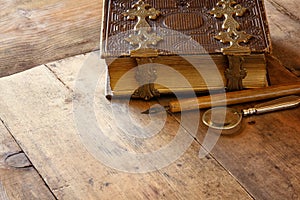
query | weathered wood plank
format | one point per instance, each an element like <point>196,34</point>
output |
<point>56,150</point>
<point>3,194</point>
<point>36,32</point>
<point>278,74</point>
<point>39,31</point>
<point>284,22</point>
<point>18,179</point>
<point>264,156</point>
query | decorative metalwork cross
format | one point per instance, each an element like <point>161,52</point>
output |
<point>143,38</point>
<point>142,11</point>
<point>232,35</point>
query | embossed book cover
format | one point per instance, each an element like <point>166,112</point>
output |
<point>191,37</point>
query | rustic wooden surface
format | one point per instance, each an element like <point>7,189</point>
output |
<point>284,22</point>
<point>263,159</point>
<point>18,178</point>
<point>36,32</point>
<point>46,157</point>
<point>264,154</point>
<point>56,150</point>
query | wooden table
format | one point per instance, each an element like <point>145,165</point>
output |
<point>43,156</point>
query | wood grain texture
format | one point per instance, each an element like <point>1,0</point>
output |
<point>56,150</point>
<point>277,74</point>
<point>18,178</point>
<point>38,31</point>
<point>3,194</point>
<point>284,22</point>
<point>264,154</point>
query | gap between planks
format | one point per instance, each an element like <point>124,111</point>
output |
<point>169,181</point>
<point>18,172</point>
<point>170,114</point>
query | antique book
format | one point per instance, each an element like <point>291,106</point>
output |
<point>153,47</point>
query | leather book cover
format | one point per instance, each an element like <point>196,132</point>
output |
<point>186,18</point>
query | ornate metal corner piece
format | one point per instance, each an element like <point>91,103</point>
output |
<point>143,36</point>
<point>145,76</point>
<point>235,73</point>
<point>232,35</point>
<point>143,54</point>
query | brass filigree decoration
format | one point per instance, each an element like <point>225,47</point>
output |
<point>143,36</point>
<point>145,76</point>
<point>235,73</point>
<point>232,35</point>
